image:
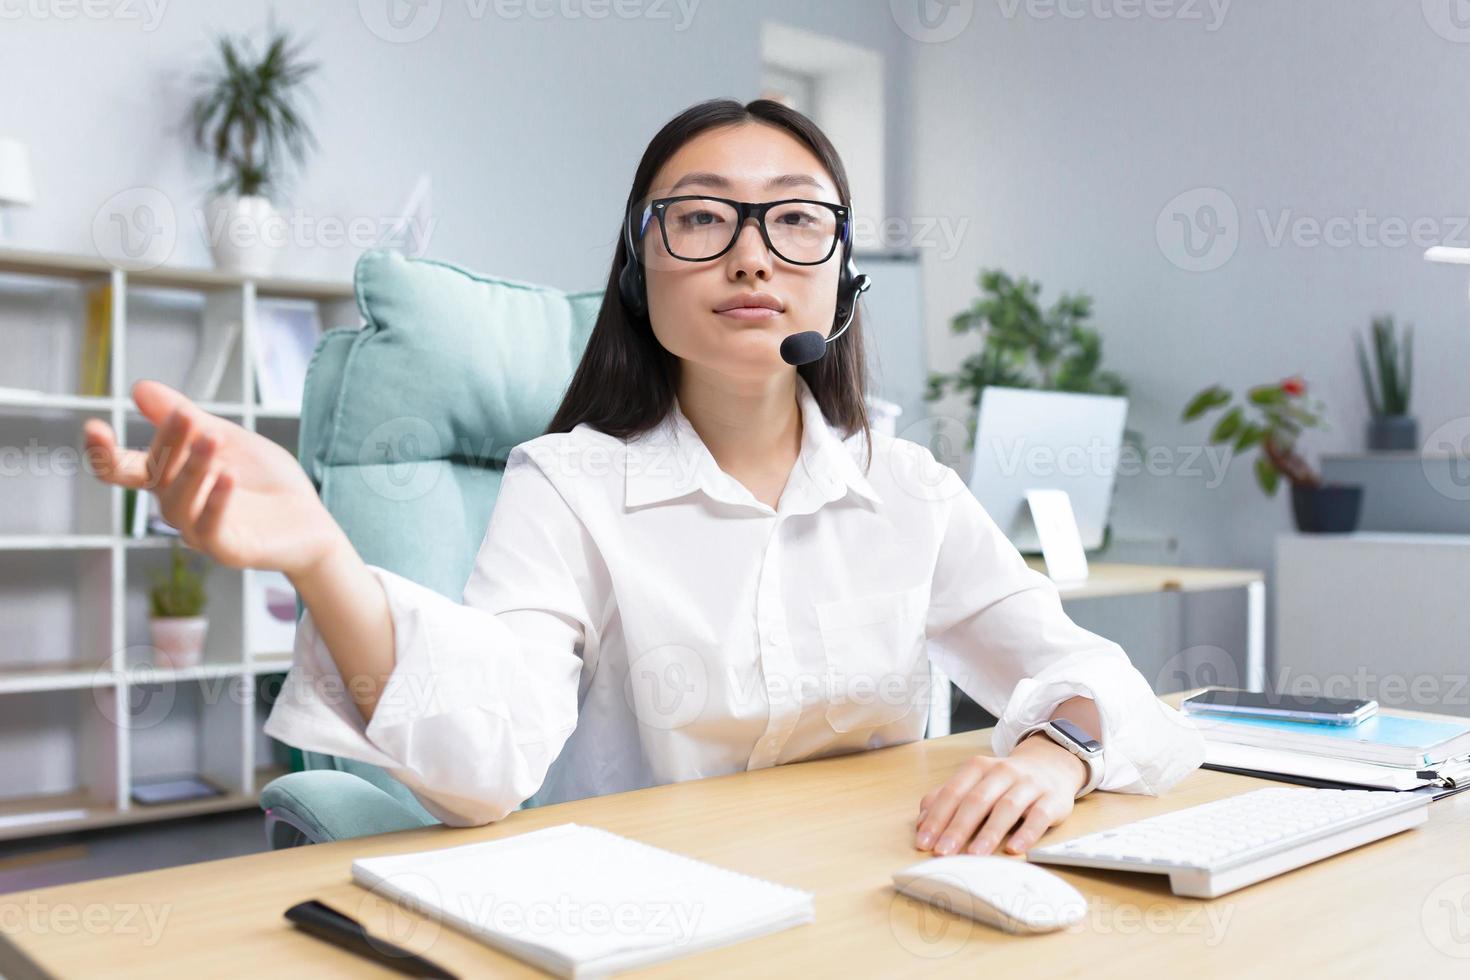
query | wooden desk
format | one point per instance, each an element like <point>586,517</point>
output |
<point>838,827</point>
<point>1107,580</point>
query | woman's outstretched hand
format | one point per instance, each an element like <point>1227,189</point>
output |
<point>234,495</point>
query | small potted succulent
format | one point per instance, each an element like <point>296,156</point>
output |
<point>178,624</point>
<point>1391,426</point>
<point>1271,418</point>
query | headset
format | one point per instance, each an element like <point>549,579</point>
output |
<point>799,348</point>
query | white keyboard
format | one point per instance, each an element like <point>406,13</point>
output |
<point>1217,847</point>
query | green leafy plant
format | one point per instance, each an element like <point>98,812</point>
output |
<point>247,115</point>
<point>1271,417</point>
<point>1026,346</point>
<point>1389,395</point>
<point>181,591</point>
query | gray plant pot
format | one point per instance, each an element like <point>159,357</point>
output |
<point>1331,508</point>
<point>1391,432</point>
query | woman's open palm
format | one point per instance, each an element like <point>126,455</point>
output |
<point>234,495</point>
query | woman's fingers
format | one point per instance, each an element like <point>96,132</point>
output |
<point>183,498</point>
<point>1004,815</point>
<point>1038,819</point>
<point>177,420</point>
<point>945,802</point>
<point>211,517</point>
<point>155,400</point>
<point>167,453</point>
<point>972,809</point>
<point>125,467</point>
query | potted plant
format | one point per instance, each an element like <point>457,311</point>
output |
<point>1271,418</point>
<point>1025,346</point>
<point>245,117</point>
<point>178,624</point>
<point>1390,426</point>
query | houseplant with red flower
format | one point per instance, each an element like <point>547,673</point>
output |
<point>1271,418</point>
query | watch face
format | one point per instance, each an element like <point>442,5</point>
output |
<point>1078,735</point>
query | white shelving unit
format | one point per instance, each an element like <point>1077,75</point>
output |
<point>83,714</point>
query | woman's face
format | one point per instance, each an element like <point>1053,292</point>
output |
<point>747,162</point>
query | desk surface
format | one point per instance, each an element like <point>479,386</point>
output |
<point>838,827</point>
<point>1106,578</point>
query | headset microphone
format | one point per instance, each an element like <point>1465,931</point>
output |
<point>809,345</point>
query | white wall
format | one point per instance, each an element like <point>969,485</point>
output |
<point>1061,139</point>
<point>531,125</point>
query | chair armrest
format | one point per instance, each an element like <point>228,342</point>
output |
<point>322,805</point>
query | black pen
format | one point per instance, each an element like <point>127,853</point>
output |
<point>327,923</point>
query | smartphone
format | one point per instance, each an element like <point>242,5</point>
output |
<point>1285,707</point>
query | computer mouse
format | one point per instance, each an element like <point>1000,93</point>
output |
<point>1008,893</point>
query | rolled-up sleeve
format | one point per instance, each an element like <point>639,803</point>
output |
<point>996,627</point>
<point>483,692</point>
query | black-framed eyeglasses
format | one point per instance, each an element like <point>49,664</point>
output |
<point>697,228</point>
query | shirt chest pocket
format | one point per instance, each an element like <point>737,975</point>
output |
<point>874,649</point>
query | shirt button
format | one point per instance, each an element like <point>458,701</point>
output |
<point>773,639</point>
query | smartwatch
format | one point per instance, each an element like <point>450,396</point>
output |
<point>1075,740</point>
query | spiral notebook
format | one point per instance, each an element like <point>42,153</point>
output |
<point>580,901</point>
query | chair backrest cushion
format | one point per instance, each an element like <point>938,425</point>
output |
<point>407,423</point>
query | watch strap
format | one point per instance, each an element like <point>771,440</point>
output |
<point>1094,763</point>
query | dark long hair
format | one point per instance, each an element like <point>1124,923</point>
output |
<point>626,381</point>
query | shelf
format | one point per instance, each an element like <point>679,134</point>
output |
<point>269,665</point>
<point>77,731</point>
<point>66,677</point>
<point>55,542</point>
<point>53,811</point>
<point>54,677</point>
<point>36,263</point>
<point>43,401</point>
<point>71,812</point>
<point>29,262</point>
<point>229,409</point>
<point>147,673</point>
<point>153,541</point>
<point>1394,454</point>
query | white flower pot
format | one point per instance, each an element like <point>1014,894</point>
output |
<point>178,641</point>
<point>246,234</point>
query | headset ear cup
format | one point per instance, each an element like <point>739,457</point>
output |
<point>848,289</point>
<point>630,281</point>
<point>630,288</point>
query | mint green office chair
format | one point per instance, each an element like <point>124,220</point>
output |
<point>405,428</point>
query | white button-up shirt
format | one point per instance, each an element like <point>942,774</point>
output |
<point>636,616</point>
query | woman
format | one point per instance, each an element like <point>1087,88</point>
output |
<point>707,564</point>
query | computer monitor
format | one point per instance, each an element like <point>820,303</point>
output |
<point>1039,440</point>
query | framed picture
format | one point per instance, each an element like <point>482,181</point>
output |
<point>270,614</point>
<point>286,332</point>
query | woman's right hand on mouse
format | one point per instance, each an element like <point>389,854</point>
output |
<point>234,495</point>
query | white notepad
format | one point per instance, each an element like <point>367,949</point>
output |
<point>580,901</point>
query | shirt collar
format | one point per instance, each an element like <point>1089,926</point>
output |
<point>671,460</point>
